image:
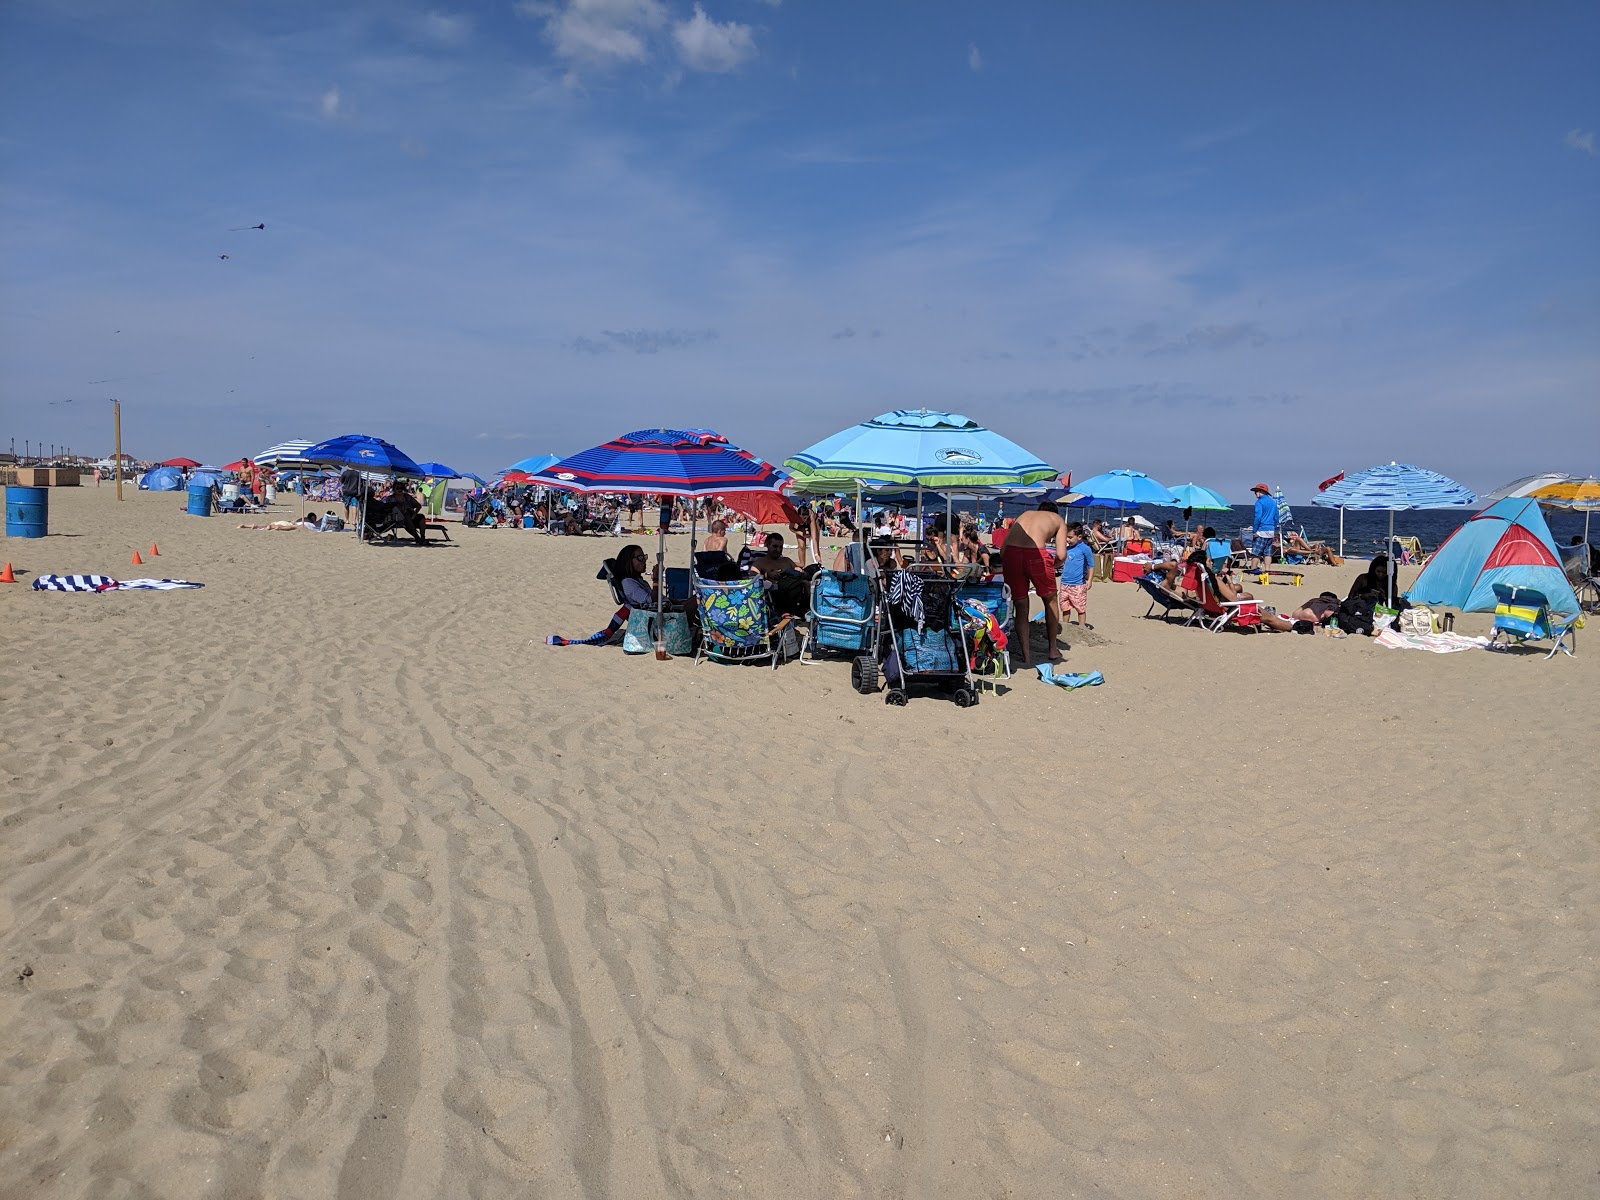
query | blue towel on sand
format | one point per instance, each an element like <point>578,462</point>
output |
<point>1068,679</point>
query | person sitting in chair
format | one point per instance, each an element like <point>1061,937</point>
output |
<point>1293,543</point>
<point>408,512</point>
<point>717,539</point>
<point>628,570</point>
<point>788,590</point>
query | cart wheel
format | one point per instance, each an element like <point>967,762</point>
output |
<point>864,674</point>
<point>965,697</point>
<point>895,697</point>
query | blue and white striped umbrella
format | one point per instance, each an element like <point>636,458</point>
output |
<point>1395,487</point>
<point>291,453</point>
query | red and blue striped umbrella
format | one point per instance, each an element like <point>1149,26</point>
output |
<point>666,462</point>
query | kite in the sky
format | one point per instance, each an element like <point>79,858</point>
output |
<point>223,257</point>
<point>238,228</point>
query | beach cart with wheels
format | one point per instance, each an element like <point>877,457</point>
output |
<point>843,622</point>
<point>925,645</point>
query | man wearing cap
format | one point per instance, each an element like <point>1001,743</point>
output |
<point>1264,526</point>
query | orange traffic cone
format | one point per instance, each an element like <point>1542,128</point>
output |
<point>137,561</point>
<point>154,553</point>
<point>6,576</point>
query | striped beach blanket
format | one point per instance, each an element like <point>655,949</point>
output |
<point>105,583</point>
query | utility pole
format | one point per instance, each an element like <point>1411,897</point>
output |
<point>116,408</point>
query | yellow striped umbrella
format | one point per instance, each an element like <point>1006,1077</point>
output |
<point>1582,495</point>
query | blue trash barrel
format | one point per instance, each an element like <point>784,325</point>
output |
<point>200,499</point>
<point>27,512</point>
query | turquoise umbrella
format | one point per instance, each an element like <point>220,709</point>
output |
<point>1124,488</point>
<point>920,448</point>
<point>1192,495</point>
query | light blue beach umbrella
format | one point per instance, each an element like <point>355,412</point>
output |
<point>1124,489</point>
<point>919,448</point>
<point>1392,488</point>
<point>1192,495</point>
<point>533,465</point>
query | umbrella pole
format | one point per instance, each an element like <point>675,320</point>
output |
<point>661,590</point>
<point>949,535</point>
<point>1341,531</point>
<point>1388,554</point>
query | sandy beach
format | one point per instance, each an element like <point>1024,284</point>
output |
<point>332,880</point>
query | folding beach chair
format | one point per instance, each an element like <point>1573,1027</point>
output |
<point>1161,598</point>
<point>736,625</point>
<point>1523,615</point>
<point>1577,562</point>
<point>1215,615</point>
<point>843,616</point>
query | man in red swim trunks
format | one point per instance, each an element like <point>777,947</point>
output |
<point>1025,561</point>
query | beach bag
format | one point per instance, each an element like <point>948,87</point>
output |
<point>639,635</point>
<point>1417,620</point>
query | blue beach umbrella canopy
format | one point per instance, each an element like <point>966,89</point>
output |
<point>365,452</point>
<point>1125,489</point>
<point>918,447</point>
<point>668,462</point>
<point>1192,495</point>
<point>533,465</point>
<point>437,470</point>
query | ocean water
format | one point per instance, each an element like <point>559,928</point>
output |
<point>1364,532</point>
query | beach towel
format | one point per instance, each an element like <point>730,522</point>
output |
<point>1436,643</point>
<point>594,639</point>
<point>105,583</point>
<point>1068,679</point>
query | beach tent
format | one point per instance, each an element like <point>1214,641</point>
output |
<point>1507,543</point>
<point>162,479</point>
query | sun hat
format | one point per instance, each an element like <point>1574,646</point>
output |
<point>1261,487</point>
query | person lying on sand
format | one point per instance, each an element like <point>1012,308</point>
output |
<point>279,526</point>
<point>1293,543</point>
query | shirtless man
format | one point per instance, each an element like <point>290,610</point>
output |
<point>1025,561</point>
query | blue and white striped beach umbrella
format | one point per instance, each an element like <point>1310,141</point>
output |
<point>1392,488</point>
<point>918,448</point>
<point>290,454</point>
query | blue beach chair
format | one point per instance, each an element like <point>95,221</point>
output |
<point>1523,615</point>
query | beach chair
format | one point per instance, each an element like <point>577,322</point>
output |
<point>1160,597</point>
<point>842,617</point>
<point>736,625</point>
<point>1578,564</point>
<point>1523,615</point>
<point>995,596</point>
<point>1214,614</point>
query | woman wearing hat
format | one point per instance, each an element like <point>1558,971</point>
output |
<point>1264,526</point>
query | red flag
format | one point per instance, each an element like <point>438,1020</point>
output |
<point>1329,482</point>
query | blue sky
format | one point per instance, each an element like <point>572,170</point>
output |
<point>1213,242</point>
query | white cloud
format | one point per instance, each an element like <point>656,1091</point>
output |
<point>974,57</point>
<point>600,31</point>
<point>446,29</point>
<point>331,104</point>
<point>707,45</point>
<point>1582,139</point>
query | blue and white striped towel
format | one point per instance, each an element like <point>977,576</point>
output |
<point>105,583</point>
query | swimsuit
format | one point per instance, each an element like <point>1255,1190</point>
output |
<point>1022,565</point>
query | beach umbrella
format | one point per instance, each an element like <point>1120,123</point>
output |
<point>537,463</point>
<point>666,462</point>
<point>371,455</point>
<point>919,448</point>
<point>184,463</point>
<point>1124,489</point>
<point>437,470</point>
<point>1392,488</point>
<point>1580,495</point>
<point>285,454</point>
<point>1525,486</point>
<point>1192,495</point>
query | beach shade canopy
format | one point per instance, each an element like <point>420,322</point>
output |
<point>291,453</point>
<point>183,463</point>
<point>1123,489</point>
<point>1507,543</point>
<point>1192,495</point>
<point>1525,486</point>
<point>530,465</point>
<point>365,452</point>
<point>665,462</point>
<point>919,448</point>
